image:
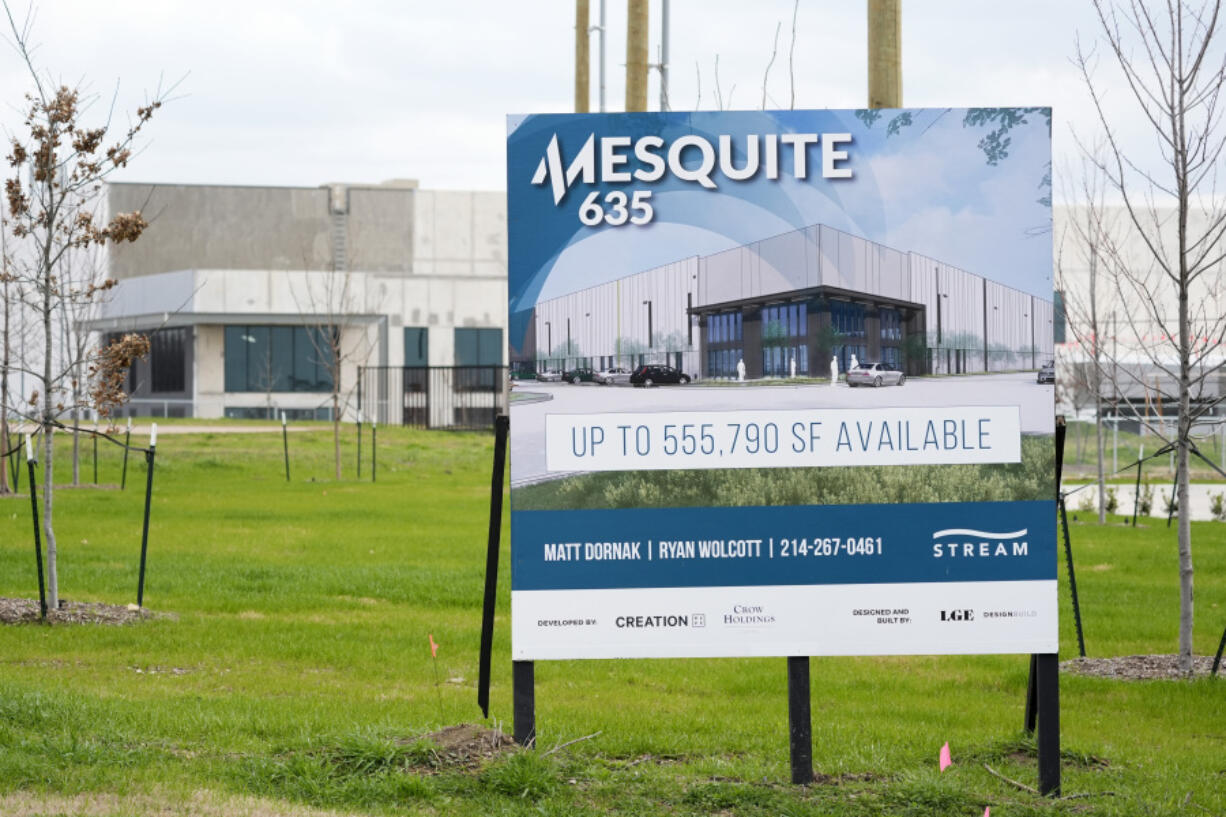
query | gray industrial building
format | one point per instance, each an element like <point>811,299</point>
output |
<point>801,296</point>
<point>239,287</point>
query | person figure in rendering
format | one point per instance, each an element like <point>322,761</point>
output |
<point>740,370</point>
<point>793,365</point>
<point>855,364</point>
<point>834,370</point>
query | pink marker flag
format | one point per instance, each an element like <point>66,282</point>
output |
<point>434,654</point>
<point>946,761</point>
<point>987,811</point>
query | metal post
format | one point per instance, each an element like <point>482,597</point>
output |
<point>359,446</point>
<point>144,536</point>
<point>1137,491</point>
<point>1032,695</point>
<point>127,440</point>
<point>1217,659</point>
<point>38,545</point>
<point>800,722</point>
<point>523,695</point>
<point>501,425</point>
<point>374,450</point>
<point>1115,444</point>
<point>285,443</point>
<point>1072,577</point>
<point>95,452</point>
<point>1048,671</point>
<point>1174,499</point>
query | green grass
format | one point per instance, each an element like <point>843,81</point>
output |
<point>298,667</point>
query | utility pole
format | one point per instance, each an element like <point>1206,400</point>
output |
<point>601,29</point>
<point>885,53</point>
<point>664,104</point>
<point>636,55</point>
<point>582,57</point>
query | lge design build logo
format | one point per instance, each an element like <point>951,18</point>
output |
<point>957,615</point>
<point>690,158</point>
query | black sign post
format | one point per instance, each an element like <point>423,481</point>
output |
<point>502,424</point>
<point>800,722</point>
<point>38,545</point>
<point>150,455</point>
<point>127,440</point>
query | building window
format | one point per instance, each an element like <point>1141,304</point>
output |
<point>168,360</point>
<point>478,347</point>
<point>891,324</point>
<point>848,318</point>
<point>416,346</point>
<point>278,358</point>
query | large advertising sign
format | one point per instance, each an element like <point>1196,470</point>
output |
<point>776,383</point>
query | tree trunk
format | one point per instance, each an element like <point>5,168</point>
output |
<point>76,444</point>
<point>48,415</point>
<point>336,433</point>
<point>6,338</point>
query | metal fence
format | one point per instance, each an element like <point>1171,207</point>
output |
<point>456,397</point>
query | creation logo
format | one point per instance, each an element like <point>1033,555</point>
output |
<point>690,158</point>
<point>650,622</point>
<point>969,543</point>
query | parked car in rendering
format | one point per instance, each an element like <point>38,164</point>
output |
<point>1047,372</point>
<point>549,376</point>
<point>580,375</point>
<point>653,375</point>
<point>615,376</point>
<point>875,374</point>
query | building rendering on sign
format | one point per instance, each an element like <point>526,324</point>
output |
<point>241,289</point>
<point>800,297</point>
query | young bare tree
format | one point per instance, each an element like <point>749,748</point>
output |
<point>58,166</point>
<point>1088,289</point>
<point>329,302</point>
<point>1169,259</point>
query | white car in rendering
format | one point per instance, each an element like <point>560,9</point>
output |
<point>875,374</point>
<point>615,376</point>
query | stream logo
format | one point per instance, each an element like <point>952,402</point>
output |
<point>969,543</point>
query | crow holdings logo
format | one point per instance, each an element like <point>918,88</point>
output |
<point>690,158</point>
<point>969,543</point>
<point>957,615</point>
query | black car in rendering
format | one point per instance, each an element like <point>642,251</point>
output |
<point>1047,372</point>
<point>653,375</point>
<point>580,375</point>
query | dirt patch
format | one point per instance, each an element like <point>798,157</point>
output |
<point>466,746</point>
<point>1137,667</point>
<point>23,611</point>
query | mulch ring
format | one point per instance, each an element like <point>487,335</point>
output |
<point>466,746</point>
<point>1138,667</point>
<point>23,611</point>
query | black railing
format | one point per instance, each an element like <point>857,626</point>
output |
<point>456,397</point>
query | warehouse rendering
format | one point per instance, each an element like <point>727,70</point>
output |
<point>798,299</point>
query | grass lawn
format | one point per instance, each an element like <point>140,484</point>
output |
<point>296,675</point>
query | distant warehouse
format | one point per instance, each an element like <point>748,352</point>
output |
<point>802,296</point>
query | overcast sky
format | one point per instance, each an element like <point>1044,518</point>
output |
<point>302,92</point>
